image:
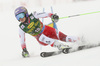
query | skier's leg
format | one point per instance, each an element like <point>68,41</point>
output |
<point>50,32</point>
<point>67,38</point>
<point>44,40</point>
<point>62,36</point>
<point>79,41</point>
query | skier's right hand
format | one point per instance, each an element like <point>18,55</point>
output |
<point>25,53</point>
<point>54,18</point>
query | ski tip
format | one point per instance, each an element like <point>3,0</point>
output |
<point>42,54</point>
<point>65,50</point>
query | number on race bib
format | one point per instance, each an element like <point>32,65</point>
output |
<point>37,30</point>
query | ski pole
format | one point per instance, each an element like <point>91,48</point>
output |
<point>79,15</point>
<point>54,24</point>
<point>43,11</point>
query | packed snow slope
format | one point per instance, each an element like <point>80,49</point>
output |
<point>86,25</point>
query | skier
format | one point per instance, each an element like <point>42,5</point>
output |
<point>45,35</point>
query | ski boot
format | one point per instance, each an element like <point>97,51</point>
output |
<point>62,47</point>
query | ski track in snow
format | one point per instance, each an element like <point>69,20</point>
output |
<point>87,25</point>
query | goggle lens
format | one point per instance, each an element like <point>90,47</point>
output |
<point>21,15</point>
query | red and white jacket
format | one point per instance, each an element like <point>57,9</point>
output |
<point>22,33</point>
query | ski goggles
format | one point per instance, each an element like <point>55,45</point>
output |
<point>21,15</point>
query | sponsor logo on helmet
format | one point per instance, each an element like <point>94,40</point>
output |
<point>16,12</point>
<point>24,9</point>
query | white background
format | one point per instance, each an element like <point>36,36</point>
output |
<point>87,25</point>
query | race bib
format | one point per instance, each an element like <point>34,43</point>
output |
<point>46,39</point>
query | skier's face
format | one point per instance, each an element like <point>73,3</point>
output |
<point>22,19</point>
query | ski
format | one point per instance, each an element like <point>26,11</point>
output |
<point>53,53</point>
<point>67,50</point>
<point>48,54</point>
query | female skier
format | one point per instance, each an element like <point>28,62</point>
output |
<point>45,35</point>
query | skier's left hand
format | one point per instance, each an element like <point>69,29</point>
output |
<point>55,18</point>
<point>25,53</point>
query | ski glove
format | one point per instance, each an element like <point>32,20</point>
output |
<point>25,53</point>
<point>54,18</point>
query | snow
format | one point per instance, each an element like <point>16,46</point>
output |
<point>87,25</point>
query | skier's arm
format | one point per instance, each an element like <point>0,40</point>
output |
<point>23,44</point>
<point>22,38</point>
<point>42,15</point>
